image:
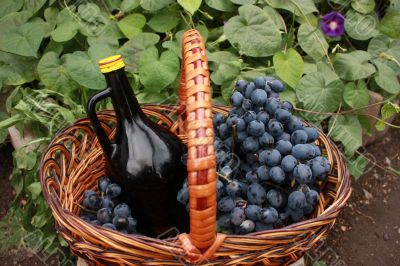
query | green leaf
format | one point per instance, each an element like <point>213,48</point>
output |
<point>252,33</point>
<point>157,72</point>
<point>164,21</point>
<point>387,111</point>
<point>53,73</point>
<point>348,131</point>
<point>318,95</point>
<point>289,66</point>
<point>24,40</point>
<point>132,25</point>
<point>390,24</point>
<point>133,48</point>
<point>356,96</point>
<point>299,7</point>
<point>359,26</point>
<point>289,95</point>
<point>25,160</point>
<point>100,50</point>
<point>226,72</point>
<point>312,41</point>
<point>128,5</point>
<point>363,6</point>
<point>88,12</point>
<point>35,189</point>
<point>65,31</point>
<point>244,2</point>
<point>9,6</point>
<point>221,5</point>
<point>33,6</point>
<point>356,166</point>
<point>327,71</point>
<point>190,5</point>
<point>16,69</point>
<point>13,20</point>
<point>50,15</point>
<point>366,125</point>
<point>53,46</point>
<point>387,79</point>
<point>3,131</point>
<point>275,17</point>
<point>154,5</point>
<point>386,50</point>
<point>84,71</point>
<point>353,65</point>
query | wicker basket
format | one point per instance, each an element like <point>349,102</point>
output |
<point>74,161</point>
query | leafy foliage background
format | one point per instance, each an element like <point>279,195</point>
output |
<point>48,68</point>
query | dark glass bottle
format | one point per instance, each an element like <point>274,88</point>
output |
<point>145,158</point>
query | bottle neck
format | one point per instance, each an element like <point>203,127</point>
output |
<point>124,100</point>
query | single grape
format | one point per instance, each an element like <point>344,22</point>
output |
<point>255,128</point>
<point>237,99</point>
<point>270,157</point>
<point>249,116</point>
<point>231,119</point>
<point>312,134</point>
<point>233,189</point>
<point>277,175</point>
<point>251,177</point>
<point>247,105</point>
<point>259,97</point>
<point>226,204</point>
<point>317,168</point>
<point>317,150</point>
<point>241,136</point>
<point>106,202</point>
<point>302,173</point>
<point>131,228</point>
<point>275,128</point>
<point>92,202</point>
<point>297,200</point>
<point>294,124</point>
<point>282,115</point>
<point>271,105</point>
<point>308,209</point>
<point>312,197</point>
<point>283,136</point>
<point>224,221</point>
<point>240,124</point>
<point>276,198</point>
<point>266,140</point>
<point>299,137</point>
<point>262,173</point>
<point>277,86</point>
<point>263,117</point>
<point>223,131</point>
<point>122,210</point>
<point>303,151</point>
<point>287,106</point>
<point>252,211</point>
<point>89,193</point>
<point>237,216</point>
<point>260,82</point>
<point>218,119</point>
<point>288,163</point>
<point>246,227</point>
<point>256,194</point>
<point>240,85</point>
<point>295,215</point>
<point>225,171</point>
<point>104,215</point>
<point>250,145</point>
<point>269,215</point>
<point>120,222</point>
<point>243,188</point>
<point>228,142</point>
<point>103,183</point>
<point>284,147</point>
<point>249,90</point>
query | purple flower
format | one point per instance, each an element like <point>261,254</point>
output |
<point>333,24</point>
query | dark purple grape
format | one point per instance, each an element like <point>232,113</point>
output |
<point>233,189</point>
<point>218,119</point>
<point>284,147</point>
<point>255,128</point>
<point>270,157</point>
<point>261,226</point>
<point>287,106</point>
<point>249,90</point>
<point>277,86</point>
<point>277,175</point>
<point>288,163</point>
<point>252,212</point>
<point>246,227</point>
<point>312,197</point>
<point>106,202</point>
<point>120,222</point>
<point>104,215</point>
<point>297,200</point>
<point>282,115</point>
<point>275,128</point>
<point>303,151</point>
<point>249,116</point>
<point>237,216</point>
<point>237,99</point>
<point>271,105</point>
<point>266,140</point>
<point>122,210</point>
<point>224,221</point>
<point>259,97</point>
<point>250,145</point>
<point>103,183</point>
<point>302,173</point>
<point>294,124</point>
<point>299,137</point>
<point>260,82</point>
<point>276,198</point>
<point>269,215</point>
<point>256,194</point>
<point>223,131</point>
<point>262,173</point>
<point>240,85</point>
<point>226,204</point>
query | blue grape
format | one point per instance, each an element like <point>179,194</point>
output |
<point>283,136</point>
<point>122,210</point>
<point>241,136</point>
<point>103,183</point>
<point>287,106</point>
<point>238,111</point>
<point>237,99</point>
<point>231,119</point>
<point>277,86</point>
<point>282,115</point>
<point>247,105</point>
<point>250,145</point>
<point>312,197</point>
<point>249,90</point>
<point>243,188</point>
<point>312,134</point>
<point>270,157</point>
<point>233,189</point>
<point>260,82</point>
<point>255,128</point>
<point>259,97</point>
<point>249,116</point>
<point>247,227</point>
<point>288,163</point>
<point>308,209</point>
<point>251,177</point>
<point>120,222</point>
<point>92,202</point>
<point>225,171</point>
<point>132,222</point>
<point>297,200</point>
<point>317,150</point>
<point>223,131</point>
<point>299,137</point>
<point>183,195</point>
<point>256,194</point>
<point>263,117</point>
<point>104,215</point>
<point>244,168</point>
<point>252,211</point>
<point>224,221</point>
<point>277,174</point>
<point>317,168</point>
<point>237,216</point>
<point>261,226</point>
<point>220,189</point>
<point>303,151</point>
<point>109,226</point>
<point>275,128</point>
<point>218,119</point>
<point>240,86</point>
<point>89,193</point>
<point>294,124</point>
<point>226,204</point>
<point>295,214</point>
<point>266,140</point>
<point>271,105</point>
<point>269,215</point>
<point>262,173</point>
<point>275,198</point>
<point>302,173</point>
<point>228,142</point>
<point>106,202</point>
<point>240,124</point>
<point>284,147</point>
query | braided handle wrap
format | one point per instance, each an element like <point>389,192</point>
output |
<point>195,104</point>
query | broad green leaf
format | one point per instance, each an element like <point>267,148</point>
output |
<point>366,124</point>
<point>312,41</point>
<point>24,40</point>
<point>65,31</point>
<point>327,71</point>
<point>190,5</point>
<point>363,6</point>
<point>299,7</point>
<point>25,160</point>
<point>164,21</point>
<point>226,72</point>
<point>359,26</point>
<point>33,6</point>
<point>154,5</point>
<point>289,66</point>
<point>50,14</point>
<point>41,217</point>
<point>53,73</point>
<point>252,33</point>
<point>387,111</point>
<point>221,5</point>
<point>309,19</point>
<point>9,6</point>
<point>133,48</point>
<point>385,50</point>
<point>244,2</point>
<point>275,17</point>
<point>390,24</point>
<point>157,72</point>
<point>132,25</point>
<point>309,67</point>
<point>99,51</point>
<point>35,189</point>
<point>356,166</point>
<point>84,71</point>
<point>318,95</point>
<point>110,36</point>
<point>354,65</point>
<point>13,20</point>
<point>387,79</point>
<point>16,69</point>
<point>219,57</point>
<point>89,12</point>
<point>347,130</point>
<point>53,46</point>
<point>356,96</point>
<point>173,46</point>
<point>289,95</point>
<point>128,5</point>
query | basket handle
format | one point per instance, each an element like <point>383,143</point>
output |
<point>196,115</point>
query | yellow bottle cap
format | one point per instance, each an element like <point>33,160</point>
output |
<point>111,63</point>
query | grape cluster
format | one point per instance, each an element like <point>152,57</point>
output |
<point>103,210</point>
<point>269,168</point>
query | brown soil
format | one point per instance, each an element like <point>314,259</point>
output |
<point>6,192</point>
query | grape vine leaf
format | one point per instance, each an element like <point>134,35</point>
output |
<point>65,31</point>
<point>356,166</point>
<point>129,5</point>
<point>298,7</point>
<point>154,5</point>
<point>221,5</point>
<point>252,33</point>
<point>360,27</point>
<point>157,72</point>
<point>16,69</point>
<point>9,6</point>
<point>356,96</point>
<point>387,111</point>
<point>132,24</point>
<point>347,130</point>
<point>190,5</point>
<point>390,24</point>
<point>244,2</point>
<point>312,41</point>
<point>354,65</point>
<point>164,21</point>
<point>363,6</point>
<point>289,66</point>
<point>387,79</point>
